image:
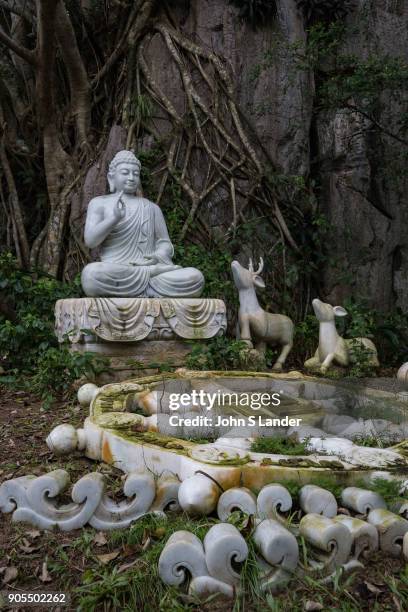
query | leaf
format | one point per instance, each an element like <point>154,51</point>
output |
<point>100,539</point>
<point>312,606</point>
<point>126,566</point>
<point>27,548</point>
<point>45,576</point>
<point>146,544</point>
<point>396,603</point>
<point>372,588</point>
<point>129,550</point>
<point>34,534</point>
<point>10,574</point>
<point>107,557</point>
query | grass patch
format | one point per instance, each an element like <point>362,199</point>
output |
<point>388,489</point>
<point>279,446</point>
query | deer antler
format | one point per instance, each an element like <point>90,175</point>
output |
<point>250,265</point>
<point>261,265</point>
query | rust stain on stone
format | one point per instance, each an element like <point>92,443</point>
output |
<point>106,452</point>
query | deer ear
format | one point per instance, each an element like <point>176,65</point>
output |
<point>339,311</point>
<point>258,282</point>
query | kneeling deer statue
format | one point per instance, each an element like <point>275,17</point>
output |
<point>257,327</point>
<point>333,349</point>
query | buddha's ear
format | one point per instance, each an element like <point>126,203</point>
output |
<point>111,184</point>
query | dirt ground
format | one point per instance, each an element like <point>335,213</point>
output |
<point>37,561</point>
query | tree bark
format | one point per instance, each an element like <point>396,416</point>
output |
<point>78,79</point>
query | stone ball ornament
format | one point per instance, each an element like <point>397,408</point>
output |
<point>198,495</point>
<point>402,374</point>
<point>86,393</point>
<point>64,439</point>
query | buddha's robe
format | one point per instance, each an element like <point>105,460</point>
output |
<point>122,271</point>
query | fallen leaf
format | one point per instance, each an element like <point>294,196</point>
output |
<point>146,544</point>
<point>10,574</point>
<point>107,557</point>
<point>128,550</point>
<point>372,588</point>
<point>44,576</point>
<point>343,511</point>
<point>34,534</point>
<point>100,539</point>
<point>125,566</point>
<point>312,606</point>
<point>396,603</point>
<point>27,548</point>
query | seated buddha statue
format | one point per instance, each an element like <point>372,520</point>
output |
<point>135,248</point>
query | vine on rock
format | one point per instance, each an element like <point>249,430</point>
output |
<point>80,72</point>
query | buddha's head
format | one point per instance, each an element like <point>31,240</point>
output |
<point>124,173</point>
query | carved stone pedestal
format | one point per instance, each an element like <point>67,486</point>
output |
<point>138,333</point>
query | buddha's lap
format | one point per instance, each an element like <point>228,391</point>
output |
<point>100,269</point>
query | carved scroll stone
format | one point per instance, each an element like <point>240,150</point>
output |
<point>280,550</point>
<point>183,556</point>
<point>331,538</point>
<point>34,500</point>
<point>224,546</point>
<point>391,530</point>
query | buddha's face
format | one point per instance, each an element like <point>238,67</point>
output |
<point>126,178</point>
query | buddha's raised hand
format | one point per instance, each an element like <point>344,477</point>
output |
<point>119,208</point>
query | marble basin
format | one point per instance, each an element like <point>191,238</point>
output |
<point>134,424</point>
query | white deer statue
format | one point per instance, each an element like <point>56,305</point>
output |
<point>333,349</point>
<point>257,327</point>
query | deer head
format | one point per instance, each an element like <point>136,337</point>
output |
<point>247,278</point>
<point>326,312</point>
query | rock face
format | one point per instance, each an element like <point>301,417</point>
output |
<point>352,160</point>
<point>358,168</point>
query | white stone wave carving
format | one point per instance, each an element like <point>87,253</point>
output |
<point>33,500</point>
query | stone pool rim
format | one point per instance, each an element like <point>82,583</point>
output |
<point>249,469</point>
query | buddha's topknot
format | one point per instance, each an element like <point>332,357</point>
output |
<point>123,157</point>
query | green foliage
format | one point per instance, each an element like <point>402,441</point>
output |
<point>361,360</point>
<point>28,346</point>
<point>279,446</point>
<point>349,81</point>
<point>388,489</point>
<point>389,331</point>
<point>255,12</point>
<point>322,47</point>
<point>306,338</point>
<point>32,297</point>
<point>215,266</point>
<point>141,108</point>
<point>361,82</point>
<point>57,369</point>
<point>139,587</point>
<point>214,260</point>
<point>216,354</point>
